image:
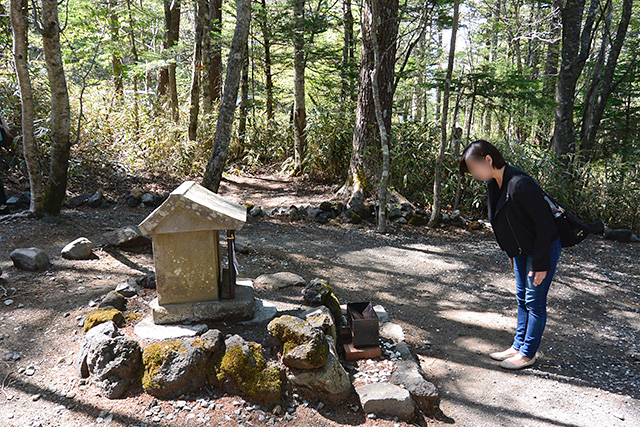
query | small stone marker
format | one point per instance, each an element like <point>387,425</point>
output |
<point>386,399</point>
<point>187,256</point>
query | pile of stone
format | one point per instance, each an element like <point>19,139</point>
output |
<point>309,352</point>
<point>358,212</point>
<point>148,200</point>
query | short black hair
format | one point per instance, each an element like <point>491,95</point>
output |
<point>480,149</point>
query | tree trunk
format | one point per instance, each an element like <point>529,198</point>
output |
<point>268,77</point>
<point>200,10</point>
<point>382,127</point>
<point>116,60</point>
<point>244,101</point>
<point>212,51</point>
<point>56,185</point>
<point>594,111</point>
<point>167,75</point>
<point>134,54</point>
<point>347,51</point>
<point>436,116</point>
<point>437,184</point>
<point>299,107</point>
<point>19,15</point>
<point>221,139</point>
<point>574,53</point>
<point>366,158</point>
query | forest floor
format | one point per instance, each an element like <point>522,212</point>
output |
<point>451,290</point>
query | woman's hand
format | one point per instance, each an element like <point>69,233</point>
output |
<point>511,262</point>
<point>538,277</point>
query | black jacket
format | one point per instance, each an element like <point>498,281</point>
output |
<point>521,218</point>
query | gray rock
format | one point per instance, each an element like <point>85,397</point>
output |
<point>330,384</point>
<point>386,399</point>
<point>126,237</point>
<point>255,211</point>
<point>392,331</point>
<point>319,292</point>
<point>30,259</point>
<point>356,202</point>
<point>620,235</point>
<point>182,365</point>
<point>77,201</point>
<point>383,316</point>
<point>634,239</point>
<point>128,288</point>
<point>306,347</point>
<point>81,248</point>
<point>148,281</point>
<point>96,334</point>
<point>423,392</point>
<point>148,199</point>
<point>96,200</point>
<point>394,214</point>
<point>321,319</point>
<point>114,364</point>
<point>455,215</point>
<point>280,280</point>
<point>115,300</point>
<point>314,213</point>
<point>263,312</point>
<point>242,246</point>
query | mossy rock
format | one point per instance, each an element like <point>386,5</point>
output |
<point>114,300</point>
<point>475,226</point>
<point>99,316</point>
<point>245,369</point>
<point>176,367</point>
<point>304,347</point>
<point>353,217</point>
<point>319,292</point>
<point>418,220</point>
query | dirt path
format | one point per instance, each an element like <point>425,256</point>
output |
<point>451,290</point>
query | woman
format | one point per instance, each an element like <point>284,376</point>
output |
<point>525,229</point>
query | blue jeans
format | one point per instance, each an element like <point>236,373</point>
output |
<point>532,302</point>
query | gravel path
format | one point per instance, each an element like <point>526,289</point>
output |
<point>450,289</point>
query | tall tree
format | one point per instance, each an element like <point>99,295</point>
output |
<point>366,155</point>
<point>56,186</point>
<point>602,84</point>
<point>19,19</point>
<point>212,51</point>
<point>200,12</point>
<point>116,57</point>
<point>576,45</point>
<point>382,127</point>
<point>47,196</point>
<point>265,28</point>
<point>167,74</point>
<point>437,182</point>
<point>299,94</point>
<point>348,51</point>
<point>226,112</point>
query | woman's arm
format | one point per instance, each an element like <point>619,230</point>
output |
<point>531,198</point>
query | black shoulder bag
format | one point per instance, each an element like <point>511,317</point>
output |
<point>572,230</point>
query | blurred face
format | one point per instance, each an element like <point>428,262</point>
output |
<point>480,168</point>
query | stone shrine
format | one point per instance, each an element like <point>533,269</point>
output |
<point>189,280</point>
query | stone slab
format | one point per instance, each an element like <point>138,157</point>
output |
<point>242,307</point>
<point>264,312</point>
<point>146,329</point>
<point>386,399</point>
